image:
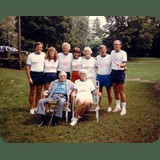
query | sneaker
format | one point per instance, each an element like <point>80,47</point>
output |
<point>32,111</point>
<point>117,109</point>
<point>123,112</point>
<point>35,109</point>
<point>109,109</point>
<point>97,108</point>
<point>72,119</point>
<point>74,122</point>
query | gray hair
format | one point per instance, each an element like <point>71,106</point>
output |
<point>102,46</point>
<point>117,41</point>
<point>62,73</point>
<point>82,71</point>
<point>89,49</point>
<point>66,44</point>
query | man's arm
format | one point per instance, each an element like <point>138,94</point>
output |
<point>28,74</point>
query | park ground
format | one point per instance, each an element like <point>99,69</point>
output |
<point>141,124</point>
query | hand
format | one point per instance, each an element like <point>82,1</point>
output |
<point>45,94</point>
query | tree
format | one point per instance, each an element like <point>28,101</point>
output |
<point>54,30</point>
<point>80,30</point>
<point>8,34</point>
<point>97,31</point>
<point>137,33</point>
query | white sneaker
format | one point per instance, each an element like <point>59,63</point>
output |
<point>117,109</point>
<point>32,111</point>
<point>35,109</point>
<point>109,109</point>
<point>123,112</point>
<point>72,119</point>
<point>74,122</point>
<point>97,108</point>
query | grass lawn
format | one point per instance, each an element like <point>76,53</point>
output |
<point>140,124</point>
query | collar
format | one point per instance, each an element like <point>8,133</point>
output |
<point>65,54</point>
<point>84,80</point>
<point>104,56</point>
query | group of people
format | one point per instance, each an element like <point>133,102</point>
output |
<point>68,74</point>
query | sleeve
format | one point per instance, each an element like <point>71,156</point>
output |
<point>124,57</point>
<point>29,60</point>
<point>76,85</point>
<point>92,86</point>
<point>96,63</point>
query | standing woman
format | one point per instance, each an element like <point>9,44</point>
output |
<point>89,64</point>
<point>76,64</point>
<point>119,60</point>
<point>50,67</point>
<point>34,71</point>
<point>65,60</point>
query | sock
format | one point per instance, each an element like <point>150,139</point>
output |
<point>117,103</point>
<point>123,105</point>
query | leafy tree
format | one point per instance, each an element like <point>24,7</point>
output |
<point>54,30</point>
<point>8,35</point>
<point>137,33</point>
<point>80,30</point>
<point>97,31</point>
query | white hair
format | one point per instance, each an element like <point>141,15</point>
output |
<point>66,44</point>
<point>62,73</point>
<point>89,49</point>
<point>118,41</point>
<point>82,71</point>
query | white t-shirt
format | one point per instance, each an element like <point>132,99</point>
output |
<point>77,64</point>
<point>104,64</point>
<point>65,62</point>
<point>36,61</point>
<point>89,65</point>
<point>50,66</point>
<point>118,58</point>
<point>84,89</point>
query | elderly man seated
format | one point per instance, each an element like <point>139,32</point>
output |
<point>83,89</point>
<point>59,90</point>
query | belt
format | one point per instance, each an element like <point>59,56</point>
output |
<point>60,95</point>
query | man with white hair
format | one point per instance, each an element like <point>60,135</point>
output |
<point>59,91</point>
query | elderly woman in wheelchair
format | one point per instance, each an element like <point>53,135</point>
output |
<point>82,96</point>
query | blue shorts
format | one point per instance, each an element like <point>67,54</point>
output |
<point>118,76</point>
<point>49,77</point>
<point>104,80</point>
<point>37,78</point>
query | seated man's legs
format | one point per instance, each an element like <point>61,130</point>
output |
<point>61,103</point>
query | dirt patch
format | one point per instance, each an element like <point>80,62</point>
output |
<point>157,86</point>
<point>139,80</point>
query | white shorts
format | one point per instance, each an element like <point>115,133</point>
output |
<point>84,96</point>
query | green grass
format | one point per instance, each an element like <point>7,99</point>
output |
<point>141,124</point>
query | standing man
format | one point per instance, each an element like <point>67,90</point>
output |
<point>34,71</point>
<point>104,62</point>
<point>119,60</point>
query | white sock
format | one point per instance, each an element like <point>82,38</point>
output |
<point>123,105</point>
<point>118,103</point>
